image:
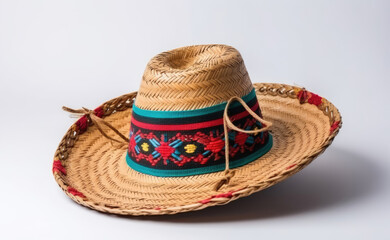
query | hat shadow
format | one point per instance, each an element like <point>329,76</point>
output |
<point>337,177</point>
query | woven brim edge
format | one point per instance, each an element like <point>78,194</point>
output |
<point>126,101</point>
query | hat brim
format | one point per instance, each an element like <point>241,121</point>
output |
<point>93,171</point>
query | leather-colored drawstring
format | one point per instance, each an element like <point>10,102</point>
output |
<point>227,124</point>
<point>98,122</point>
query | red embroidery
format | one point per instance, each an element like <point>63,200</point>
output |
<point>241,138</point>
<point>132,143</point>
<point>75,192</point>
<point>310,97</point>
<point>291,166</point>
<point>57,167</point>
<point>82,124</point>
<point>315,99</point>
<point>199,147</point>
<point>165,150</point>
<point>222,195</point>
<point>334,126</point>
<point>302,96</point>
<point>99,112</point>
<point>215,145</point>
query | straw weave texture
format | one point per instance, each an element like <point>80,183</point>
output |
<point>193,77</point>
<point>95,173</point>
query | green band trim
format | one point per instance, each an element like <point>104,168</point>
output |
<point>190,113</point>
<point>196,171</point>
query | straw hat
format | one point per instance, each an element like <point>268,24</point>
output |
<point>198,133</point>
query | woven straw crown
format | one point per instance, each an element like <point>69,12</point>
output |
<point>193,77</point>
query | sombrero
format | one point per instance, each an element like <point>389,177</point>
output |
<point>198,133</point>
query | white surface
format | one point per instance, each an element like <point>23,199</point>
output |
<point>82,53</point>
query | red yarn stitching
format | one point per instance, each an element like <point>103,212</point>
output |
<point>291,166</point>
<point>302,96</point>
<point>315,99</point>
<point>212,142</point>
<point>240,138</point>
<point>222,195</point>
<point>99,112</point>
<point>215,145</point>
<point>75,192</point>
<point>82,124</point>
<point>165,150</point>
<point>57,167</point>
<point>334,126</point>
<point>204,201</point>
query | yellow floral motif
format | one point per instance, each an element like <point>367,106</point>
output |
<point>190,148</point>
<point>145,147</point>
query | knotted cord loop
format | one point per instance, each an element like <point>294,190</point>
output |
<point>227,124</point>
<point>98,122</point>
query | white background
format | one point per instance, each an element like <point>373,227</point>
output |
<point>82,53</point>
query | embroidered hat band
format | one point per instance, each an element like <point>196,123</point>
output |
<point>183,143</point>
